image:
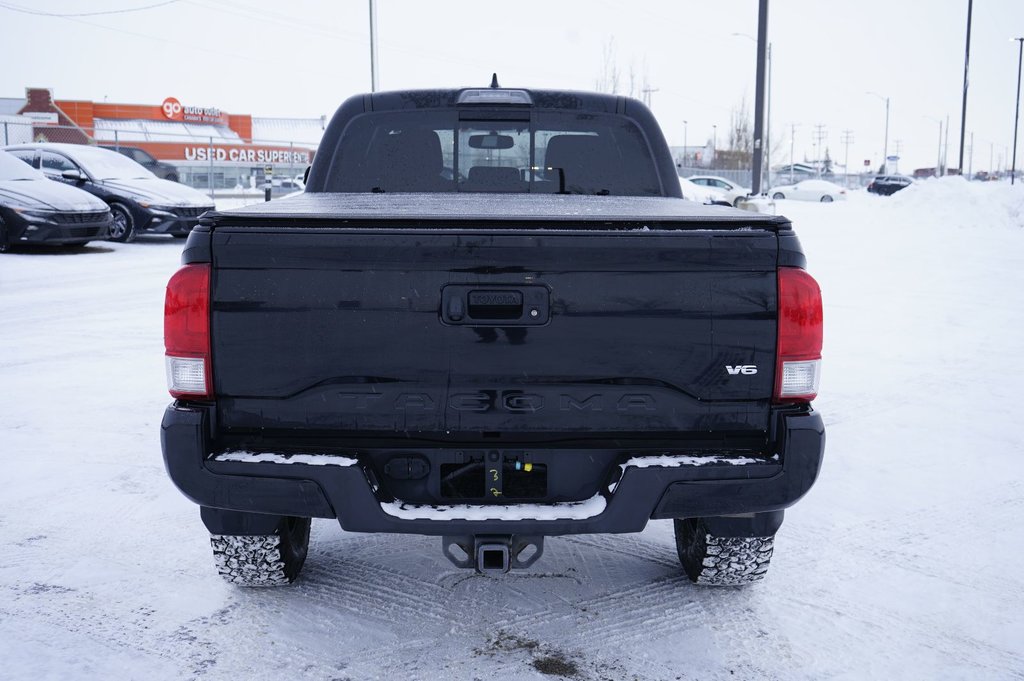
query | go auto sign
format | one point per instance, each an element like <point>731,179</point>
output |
<point>175,111</point>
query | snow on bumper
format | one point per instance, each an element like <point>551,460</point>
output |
<point>333,486</point>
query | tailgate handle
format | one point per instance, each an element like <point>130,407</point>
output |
<point>466,304</point>
<point>507,304</point>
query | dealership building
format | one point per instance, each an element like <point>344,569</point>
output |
<point>208,148</point>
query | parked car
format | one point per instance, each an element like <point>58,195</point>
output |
<point>731,192</point>
<point>809,190</point>
<point>35,210</point>
<point>138,199</point>
<point>887,185</point>
<point>165,171</point>
<point>701,194</point>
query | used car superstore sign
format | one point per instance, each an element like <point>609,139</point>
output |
<point>245,155</point>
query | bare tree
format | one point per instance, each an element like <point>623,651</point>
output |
<point>741,135</point>
<point>609,78</point>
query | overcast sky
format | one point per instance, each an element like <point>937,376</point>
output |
<point>303,57</point>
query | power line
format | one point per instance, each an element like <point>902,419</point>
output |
<point>26,10</point>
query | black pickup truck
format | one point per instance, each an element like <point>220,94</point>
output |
<point>492,317</point>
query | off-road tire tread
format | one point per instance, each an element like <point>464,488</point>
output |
<point>721,561</point>
<point>261,560</point>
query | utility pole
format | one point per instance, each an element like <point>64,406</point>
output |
<point>820,135</point>
<point>885,148</point>
<point>647,92</point>
<point>847,139</point>
<point>373,46</point>
<point>792,139</point>
<point>1016,115</point>
<point>963,111</point>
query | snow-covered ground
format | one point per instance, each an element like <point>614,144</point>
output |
<point>905,561</point>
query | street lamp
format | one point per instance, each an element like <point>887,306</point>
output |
<point>938,163</point>
<point>1016,114</point>
<point>885,148</point>
<point>714,144</point>
<point>684,140</point>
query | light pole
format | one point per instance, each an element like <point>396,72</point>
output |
<point>714,145</point>
<point>963,110</point>
<point>373,46</point>
<point>685,145</point>
<point>1016,114</point>
<point>885,147</point>
<point>938,161</point>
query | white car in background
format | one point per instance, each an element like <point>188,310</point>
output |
<point>730,191</point>
<point>809,190</point>
<point>695,192</point>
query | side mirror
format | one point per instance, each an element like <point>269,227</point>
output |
<point>74,174</point>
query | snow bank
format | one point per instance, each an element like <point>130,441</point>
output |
<point>568,510</point>
<point>271,457</point>
<point>964,204</point>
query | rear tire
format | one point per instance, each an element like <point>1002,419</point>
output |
<point>826,199</point>
<point>263,559</point>
<point>721,561</point>
<point>122,227</point>
<point>778,195</point>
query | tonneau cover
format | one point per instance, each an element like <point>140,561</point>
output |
<point>638,211</point>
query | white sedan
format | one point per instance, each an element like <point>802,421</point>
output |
<point>695,192</point>
<point>809,190</point>
<point>730,191</point>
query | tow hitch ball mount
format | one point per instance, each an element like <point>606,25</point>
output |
<point>493,553</point>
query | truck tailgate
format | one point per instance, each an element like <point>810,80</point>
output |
<point>455,333</point>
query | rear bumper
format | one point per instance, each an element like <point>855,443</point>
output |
<point>697,489</point>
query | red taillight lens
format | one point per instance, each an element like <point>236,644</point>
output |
<point>798,367</point>
<point>187,333</point>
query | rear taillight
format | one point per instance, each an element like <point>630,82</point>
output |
<point>798,367</point>
<point>187,333</point>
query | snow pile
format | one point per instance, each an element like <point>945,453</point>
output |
<point>565,510</point>
<point>271,457</point>
<point>964,204</point>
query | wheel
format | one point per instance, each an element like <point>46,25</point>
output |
<point>122,227</point>
<point>826,199</point>
<point>778,195</point>
<point>721,561</point>
<point>736,203</point>
<point>263,559</point>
